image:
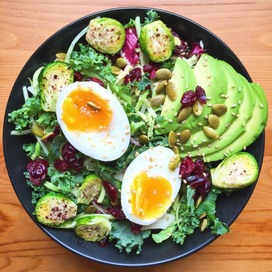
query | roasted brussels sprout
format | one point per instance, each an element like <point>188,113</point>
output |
<point>52,78</point>
<point>157,41</point>
<point>106,35</point>
<point>93,228</point>
<point>54,209</point>
<point>235,172</point>
<point>89,189</point>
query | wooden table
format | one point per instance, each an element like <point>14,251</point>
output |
<point>246,26</point>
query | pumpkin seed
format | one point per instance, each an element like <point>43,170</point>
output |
<point>184,136</point>
<point>174,162</point>
<point>157,100</point>
<point>175,149</point>
<point>171,91</point>
<point>120,62</point>
<point>198,201</point>
<point>219,109</point>
<point>213,121</point>
<point>37,130</point>
<point>210,132</point>
<point>203,224</point>
<point>115,70</point>
<point>197,108</point>
<point>172,138</point>
<point>184,114</point>
<point>93,106</point>
<point>143,139</point>
<point>61,56</point>
<point>161,87</point>
<point>163,73</point>
<point>203,215</point>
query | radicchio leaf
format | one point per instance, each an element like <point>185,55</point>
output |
<point>130,49</point>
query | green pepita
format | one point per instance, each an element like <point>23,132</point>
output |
<point>185,135</point>
<point>203,224</point>
<point>171,91</point>
<point>174,162</point>
<point>37,130</point>
<point>175,149</point>
<point>213,121</point>
<point>157,100</point>
<point>197,108</point>
<point>172,138</point>
<point>203,215</point>
<point>184,114</point>
<point>163,73</point>
<point>219,109</point>
<point>61,56</point>
<point>161,87</point>
<point>143,139</point>
<point>93,106</point>
<point>198,201</point>
<point>121,62</point>
<point>210,132</point>
<point>115,70</point>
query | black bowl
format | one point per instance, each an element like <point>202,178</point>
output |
<point>228,208</point>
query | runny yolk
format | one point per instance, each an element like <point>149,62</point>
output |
<point>84,110</point>
<point>150,196</point>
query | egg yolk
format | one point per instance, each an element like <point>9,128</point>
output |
<point>150,196</point>
<point>84,110</point>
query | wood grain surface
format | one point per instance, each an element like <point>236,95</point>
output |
<point>246,26</point>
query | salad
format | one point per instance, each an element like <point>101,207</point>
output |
<point>136,133</point>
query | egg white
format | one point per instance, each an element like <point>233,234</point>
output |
<point>107,144</point>
<point>154,162</point>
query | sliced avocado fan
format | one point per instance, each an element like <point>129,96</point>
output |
<point>240,125</point>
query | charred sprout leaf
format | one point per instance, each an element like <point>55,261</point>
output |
<point>106,35</point>
<point>53,77</point>
<point>125,239</point>
<point>89,189</point>
<point>235,172</point>
<point>157,41</point>
<point>54,209</point>
<point>93,228</point>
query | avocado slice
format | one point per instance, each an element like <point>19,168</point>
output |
<point>183,80</point>
<point>253,127</point>
<point>234,127</point>
<point>222,87</point>
<point>247,106</point>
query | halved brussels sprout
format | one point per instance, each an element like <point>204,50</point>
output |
<point>54,209</point>
<point>89,189</point>
<point>53,77</point>
<point>93,228</point>
<point>157,41</point>
<point>235,172</point>
<point>106,35</point>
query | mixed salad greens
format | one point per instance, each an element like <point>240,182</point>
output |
<point>74,191</point>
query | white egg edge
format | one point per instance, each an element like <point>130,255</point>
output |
<point>110,151</point>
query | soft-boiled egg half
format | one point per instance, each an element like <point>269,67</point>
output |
<point>93,120</point>
<point>149,187</point>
